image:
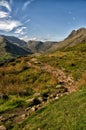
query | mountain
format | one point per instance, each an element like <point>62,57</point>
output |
<point>14,40</point>
<point>53,84</point>
<point>39,46</point>
<point>35,86</point>
<point>74,38</point>
<point>17,47</point>
<point>7,46</point>
<point>30,46</point>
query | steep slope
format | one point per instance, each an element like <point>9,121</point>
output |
<point>6,47</point>
<point>14,40</point>
<point>67,113</point>
<point>75,37</point>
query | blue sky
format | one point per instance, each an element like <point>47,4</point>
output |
<point>41,19</point>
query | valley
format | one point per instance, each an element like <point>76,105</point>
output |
<point>44,91</point>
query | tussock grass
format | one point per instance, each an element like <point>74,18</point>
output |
<point>67,113</point>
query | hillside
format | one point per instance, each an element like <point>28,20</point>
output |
<point>74,38</point>
<point>67,113</point>
<point>8,49</point>
<point>52,84</point>
<point>14,40</point>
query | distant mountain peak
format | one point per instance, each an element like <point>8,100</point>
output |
<point>76,32</point>
<point>74,38</point>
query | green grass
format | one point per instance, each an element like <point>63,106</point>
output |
<point>73,60</point>
<point>68,113</point>
<point>11,104</point>
<point>16,76</point>
<point>20,81</point>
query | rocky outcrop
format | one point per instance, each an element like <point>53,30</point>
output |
<point>2,127</point>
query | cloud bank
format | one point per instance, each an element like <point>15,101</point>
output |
<point>9,25</point>
<point>3,14</point>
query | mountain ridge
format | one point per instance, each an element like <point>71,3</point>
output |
<point>74,38</point>
<point>31,47</point>
<point>10,48</point>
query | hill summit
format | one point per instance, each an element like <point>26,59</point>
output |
<point>74,38</point>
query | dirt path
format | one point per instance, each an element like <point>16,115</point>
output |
<point>59,74</point>
<point>19,114</point>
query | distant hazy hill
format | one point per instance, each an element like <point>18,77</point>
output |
<point>7,46</point>
<point>75,37</point>
<point>39,47</point>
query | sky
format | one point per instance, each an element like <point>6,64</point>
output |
<point>50,20</point>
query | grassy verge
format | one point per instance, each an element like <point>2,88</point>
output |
<point>68,113</point>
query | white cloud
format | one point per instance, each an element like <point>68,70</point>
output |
<point>20,30</point>
<point>5,4</point>
<point>26,4</point>
<point>28,20</point>
<point>3,14</point>
<point>26,38</point>
<point>9,25</point>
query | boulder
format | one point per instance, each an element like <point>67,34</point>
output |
<point>2,127</point>
<point>56,98</point>
<point>3,96</point>
<point>30,100</point>
<point>40,99</point>
<point>33,109</point>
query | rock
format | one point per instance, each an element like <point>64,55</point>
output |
<point>58,86</point>
<point>48,101</point>
<point>1,118</point>
<point>30,100</point>
<point>33,109</point>
<point>51,96</point>
<point>37,94</point>
<point>27,109</point>
<point>27,114</point>
<point>29,64</point>
<point>2,127</point>
<point>43,103</point>
<point>38,106</point>
<point>37,101</point>
<point>56,98</point>
<point>20,118</point>
<point>3,96</point>
<point>40,99</point>
<point>23,116</point>
<point>38,129</point>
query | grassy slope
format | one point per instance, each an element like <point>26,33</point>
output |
<point>17,77</point>
<point>68,113</point>
<point>73,60</point>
